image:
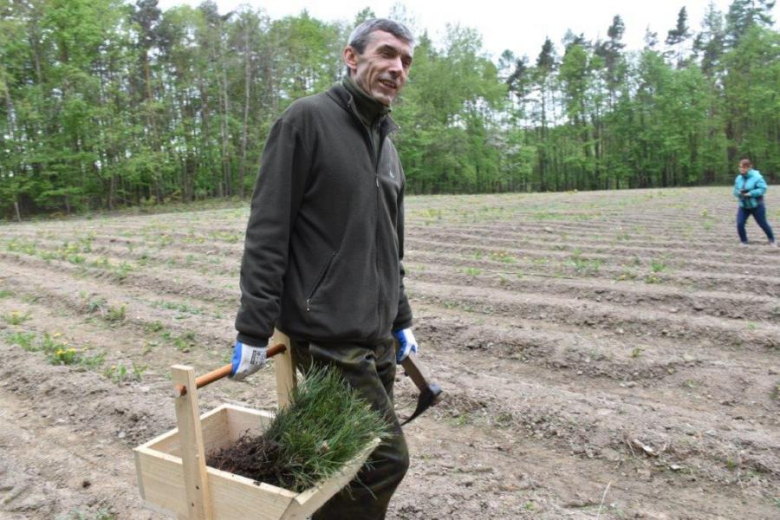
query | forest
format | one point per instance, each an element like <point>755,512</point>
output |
<point>106,104</point>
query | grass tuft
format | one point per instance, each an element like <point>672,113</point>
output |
<point>16,317</point>
<point>325,426</point>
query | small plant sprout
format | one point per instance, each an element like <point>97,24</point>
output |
<point>115,313</point>
<point>657,265</point>
<point>16,317</point>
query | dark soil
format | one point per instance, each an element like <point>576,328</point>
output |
<point>256,458</point>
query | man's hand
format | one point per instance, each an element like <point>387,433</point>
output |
<point>247,360</point>
<point>406,344</point>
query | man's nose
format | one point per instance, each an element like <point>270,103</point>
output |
<point>397,66</point>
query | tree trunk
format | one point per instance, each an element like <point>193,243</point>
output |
<point>245,126</point>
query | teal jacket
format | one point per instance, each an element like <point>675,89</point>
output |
<point>756,186</point>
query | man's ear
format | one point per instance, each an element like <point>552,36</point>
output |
<point>350,58</point>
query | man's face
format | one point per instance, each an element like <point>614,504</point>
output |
<point>743,169</point>
<point>382,70</point>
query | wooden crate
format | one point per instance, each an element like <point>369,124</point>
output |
<point>161,478</point>
<point>173,477</point>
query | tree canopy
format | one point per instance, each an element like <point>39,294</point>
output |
<point>106,103</point>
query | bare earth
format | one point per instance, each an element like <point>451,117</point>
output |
<point>604,355</point>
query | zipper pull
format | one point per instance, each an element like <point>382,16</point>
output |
<point>377,182</point>
<point>307,304</point>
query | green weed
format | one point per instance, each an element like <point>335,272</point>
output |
<point>100,514</point>
<point>64,356</point>
<point>96,305</point>
<point>23,339</point>
<point>181,307</point>
<point>584,265</point>
<point>119,373</point>
<point>122,270</point>
<point>101,263</point>
<point>155,326</point>
<point>93,362</point>
<point>16,317</point>
<point>138,371</point>
<point>657,265</point>
<point>115,313</point>
<point>503,257</point>
<point>56,352</point>
<point>183,343</point>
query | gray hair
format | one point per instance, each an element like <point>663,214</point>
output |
<point>360,36</point>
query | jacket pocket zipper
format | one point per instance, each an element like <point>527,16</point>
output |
<point>320,279</point>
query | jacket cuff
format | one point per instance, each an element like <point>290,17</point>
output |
<point>251,340</point>
<point>403,324</point>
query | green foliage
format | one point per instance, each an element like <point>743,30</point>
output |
<point>115,313</point>
<point>57,352</point>
<point>100,514</point>
<point>183,342</point>
<point>657,265</point>
<point>16,317</point>
<point>108,104</point>
<point>120,373</point>
<point>23,339</point>
<point>326,425</point>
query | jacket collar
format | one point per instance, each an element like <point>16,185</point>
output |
<point>368,108</point>
<point>344,99</point>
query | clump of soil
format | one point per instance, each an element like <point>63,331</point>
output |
<point>256,458</point>
<point>324,427</point>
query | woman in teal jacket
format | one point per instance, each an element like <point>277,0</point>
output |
<point>749,189</point>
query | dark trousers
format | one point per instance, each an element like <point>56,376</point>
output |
<point>370,370</point>
<point>759,213</point>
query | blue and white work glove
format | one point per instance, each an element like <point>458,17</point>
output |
<point>247,360</point>
<point>406,344</point>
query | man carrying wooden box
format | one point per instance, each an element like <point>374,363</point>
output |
<point>324,244</point>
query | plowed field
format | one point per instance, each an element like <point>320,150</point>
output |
<point>604,355</point>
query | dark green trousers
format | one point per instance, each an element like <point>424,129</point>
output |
<point>371,371</point>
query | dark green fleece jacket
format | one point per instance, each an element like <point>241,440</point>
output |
<point>324,242</point>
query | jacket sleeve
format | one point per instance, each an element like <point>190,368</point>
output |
<point>403,319</point>
<point>759,188</point>
<point>275,201</point>
<point>736,187</point>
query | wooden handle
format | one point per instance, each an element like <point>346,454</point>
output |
<point>216,375</point>
<point>416,371</point>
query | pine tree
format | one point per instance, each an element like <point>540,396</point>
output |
<point>676,37</point>
<point>744,14</point>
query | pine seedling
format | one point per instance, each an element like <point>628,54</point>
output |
<point>325,426</point>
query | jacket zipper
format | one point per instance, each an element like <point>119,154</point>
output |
<point>374,156</point>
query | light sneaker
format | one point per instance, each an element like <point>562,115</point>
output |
<point>773,244</point>
<point>743,244</point>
